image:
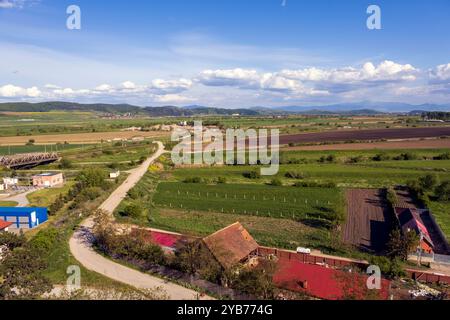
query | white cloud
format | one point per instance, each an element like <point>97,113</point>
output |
<point>11,91</point>
<point>386,71</point>
<point>170,86</point>
<point>441,73</point>
<point>233,77</point>
<point>172,98</point>
<point>128,85</point>
<point>104,88</point>
<point>9,4</point>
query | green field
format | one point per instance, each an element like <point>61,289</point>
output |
<point>302,204</point>
<point>7,150</point>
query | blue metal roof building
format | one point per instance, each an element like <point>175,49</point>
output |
<point>26,216</point>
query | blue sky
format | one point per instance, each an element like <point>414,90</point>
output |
<point>225,53</point>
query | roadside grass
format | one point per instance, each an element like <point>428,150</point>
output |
<point>45,197</point>
<point>8,204</point>
<point>6,150</point>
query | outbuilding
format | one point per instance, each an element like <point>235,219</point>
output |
<point>23,217</point>
<point>48,179</point>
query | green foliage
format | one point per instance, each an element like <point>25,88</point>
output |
<point>443,191</point>
<point>381,157</point>
<point>221,180</point>
<point>252,174</point>
<point>428,182</point>
<point>276,182</point>
<point>132,210</point>
<point>194,258</point>
<point>400,245</point>
<point>391,268</point>
<point>65,164</point>
<point>45,239</point>
<point>193,180</point>
<point>406,156</point>
<point>92,177</point>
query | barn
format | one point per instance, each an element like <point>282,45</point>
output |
<point>24,218</point>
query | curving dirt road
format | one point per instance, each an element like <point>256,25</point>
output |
<point>81,247</point>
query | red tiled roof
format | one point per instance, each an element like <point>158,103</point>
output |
<point>231,245</point>
<point>4,224</point>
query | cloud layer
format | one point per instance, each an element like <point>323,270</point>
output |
<point>334,84</point>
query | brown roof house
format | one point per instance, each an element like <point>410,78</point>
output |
<point>231,245</point>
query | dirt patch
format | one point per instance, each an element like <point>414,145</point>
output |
<point>368,219</point>
<point>406,144</point>
<point>91,137</point>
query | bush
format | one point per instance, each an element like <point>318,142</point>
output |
<point>315,185</point>
<point>381,157</point>
<point>132,210</point>
<point>428,182</point>
<point>444,156</point>
<point>276,182</point>
<point>65,164</point>
<point>406,156</point>
<point>443,191</point>
<point>252,174</point>
<point>391,268</point>
<point>193,180</point>
<point>221,180</point>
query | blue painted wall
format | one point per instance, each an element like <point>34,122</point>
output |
<point>36,216</point>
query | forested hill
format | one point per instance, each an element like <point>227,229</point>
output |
<point>120,109</point>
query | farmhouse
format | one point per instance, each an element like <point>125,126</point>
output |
<point>4,225</point>
<point>48,180</point>
<point>231,245</point>
<point>411,221</point>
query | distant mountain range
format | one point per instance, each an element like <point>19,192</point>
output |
<point>361,108</point>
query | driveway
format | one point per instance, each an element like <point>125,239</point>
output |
<point>81,245</point>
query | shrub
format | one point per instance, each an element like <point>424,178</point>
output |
<point>443,191</point>
<point>193,180</point>
<point>276,182</point>
<point>444,156</point>
<point>132,210</point>
<point>221,180</point>
<point>65,164</point>
<point>381,157</point>
<point>252,175</point>
<point>406,156</point>
<point>92,177</point>
<point>428,182</point>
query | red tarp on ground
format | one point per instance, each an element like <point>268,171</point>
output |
<point>323,282</point>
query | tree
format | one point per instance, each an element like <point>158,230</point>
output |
<point>443,191</point>
<point>92,177</point>
<point>400,245</point>
<point>21,275</point>
<point>256,281</point>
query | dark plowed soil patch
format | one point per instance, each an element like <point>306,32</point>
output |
<point>374,134</point>
<point>368,219</point>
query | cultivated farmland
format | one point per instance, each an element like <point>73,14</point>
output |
<point>309,205</point>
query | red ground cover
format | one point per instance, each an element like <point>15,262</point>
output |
<point>164,239</point>
<point>323,282</point>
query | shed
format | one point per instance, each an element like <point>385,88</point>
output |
<point>24,217</point>
<point>231,245</point>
